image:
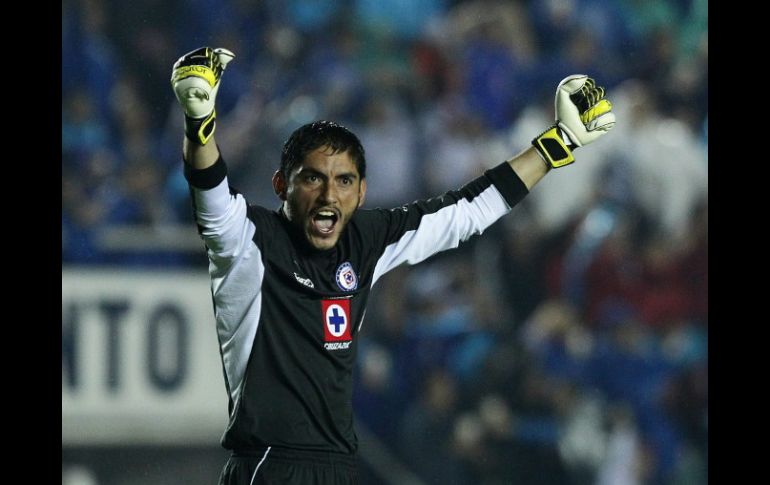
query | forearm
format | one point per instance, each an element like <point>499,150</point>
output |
<point>200,156</point>
<point>529,166</point>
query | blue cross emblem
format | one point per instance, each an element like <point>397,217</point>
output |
<point>336,320</point>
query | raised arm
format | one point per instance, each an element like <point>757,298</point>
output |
<point>221,213</point>
<point>418,230</point>
<point>195,79</point>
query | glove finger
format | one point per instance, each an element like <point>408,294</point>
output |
<point>196,70</point>
<point>203,55</point>
<point>584,98</point>
<point>603,122</point>
<point>200,56</point>
<point>580,100</point>
<point>203,62</point>
<point>595,95</point>
<point>595,111</point>
<point>223,56</point>
<point>588,98</point>
<point>572,84</point>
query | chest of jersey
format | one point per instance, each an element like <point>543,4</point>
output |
<point>318,298</point>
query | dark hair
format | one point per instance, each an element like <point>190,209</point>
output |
<point>318,134</point>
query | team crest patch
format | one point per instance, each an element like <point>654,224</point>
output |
<point>337,324</point>
<point>346,277</point>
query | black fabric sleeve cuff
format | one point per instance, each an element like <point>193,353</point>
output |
<point>207,178</point>
<point>508,183</point>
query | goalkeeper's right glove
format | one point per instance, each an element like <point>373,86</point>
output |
<point>195,79</point>
<point>582,116</point>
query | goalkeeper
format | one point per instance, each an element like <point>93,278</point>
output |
<point>290,285</point>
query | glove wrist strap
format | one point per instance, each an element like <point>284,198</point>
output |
<point>553,148</point>
<point>200,130</point>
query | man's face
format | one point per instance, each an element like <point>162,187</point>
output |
<point>321,195</point>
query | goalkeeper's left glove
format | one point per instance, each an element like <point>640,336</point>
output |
<point>582,116</point>
<point>195,79</point>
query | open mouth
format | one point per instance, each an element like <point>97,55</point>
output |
<point>324,221</point>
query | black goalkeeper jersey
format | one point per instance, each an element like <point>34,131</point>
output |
<point>288,315</point>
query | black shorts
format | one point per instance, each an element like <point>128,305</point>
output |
<point>282,466</point>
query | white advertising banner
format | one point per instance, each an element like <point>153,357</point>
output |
<point>140,359</point>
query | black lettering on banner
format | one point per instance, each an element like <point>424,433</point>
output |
<point>70,326</point>
<point>167,339</point>
<point>113,311</point>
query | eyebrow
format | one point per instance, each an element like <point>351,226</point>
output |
<point>348,174</point>
<point>306,171</point>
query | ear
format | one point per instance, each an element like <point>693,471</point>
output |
<point>279,185</point>
<point>362,193</point>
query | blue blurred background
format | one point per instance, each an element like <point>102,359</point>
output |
<point>567,345</point>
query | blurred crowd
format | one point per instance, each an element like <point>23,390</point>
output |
<point>566,345</point>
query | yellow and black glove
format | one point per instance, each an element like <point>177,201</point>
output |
<point>582,116</point>
<point>195,79</point>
